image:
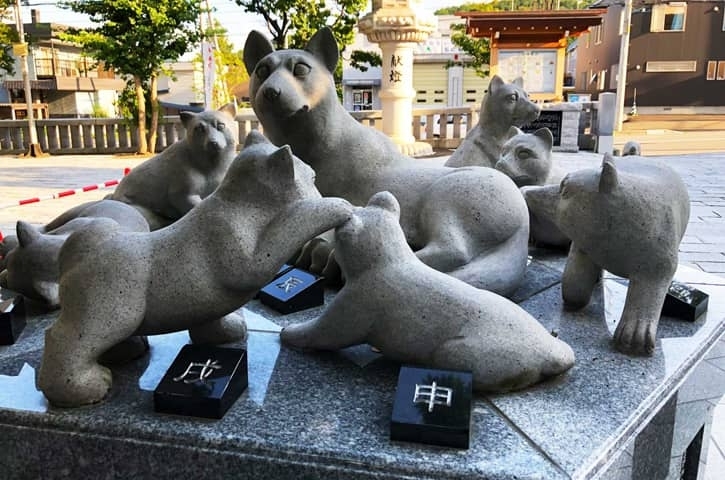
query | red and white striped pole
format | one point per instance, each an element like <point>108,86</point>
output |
<point>66,193</point>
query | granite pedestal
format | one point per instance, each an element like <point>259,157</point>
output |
<point>327,415</point>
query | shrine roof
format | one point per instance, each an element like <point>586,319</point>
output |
<point>483,24</point>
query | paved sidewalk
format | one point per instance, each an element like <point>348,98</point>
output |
<point>703,246</point>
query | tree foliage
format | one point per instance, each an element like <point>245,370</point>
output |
<point>135,38</point>
<point>292,22</point>
<point>503,5</point>
<point>8,36</point>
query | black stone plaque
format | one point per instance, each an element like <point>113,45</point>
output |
<point>294,291</point>
<point>282,270</point>
<point>203,381</point>
<point>550,119</point>
<point>12,319</point>
<point>684,302</point>
<point>432,406</point>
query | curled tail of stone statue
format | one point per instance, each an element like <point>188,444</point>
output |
<point>631,148</point>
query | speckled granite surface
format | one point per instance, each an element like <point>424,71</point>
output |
<point>327,415</point>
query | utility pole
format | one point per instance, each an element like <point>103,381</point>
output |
<point>22,50</point>
<point>622,69</point>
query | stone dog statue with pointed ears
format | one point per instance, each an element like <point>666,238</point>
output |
<point>628,217</point>
<point>193,274</point>
<point>470,223</point>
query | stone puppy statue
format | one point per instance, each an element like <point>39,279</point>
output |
<point>193,274</point>
<point>469,223</point>
<point>504,105</point>
<point>415,314</point>
<point>628,218</point>
<point>526,158</point>
<point>32,267</point>
<point>170,184</point>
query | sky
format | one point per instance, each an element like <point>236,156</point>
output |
<point>231,16</point>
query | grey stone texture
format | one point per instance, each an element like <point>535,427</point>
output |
<point>415,314</point>
<point>470,223</point>
<point>628,218</point>
<point>505,105</point>
<point>167,186</point>
<point>191,275</point>
<point>32,268</point>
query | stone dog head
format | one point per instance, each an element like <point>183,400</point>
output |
<point>286,84</point>
<point>32,267</point>
<point>372,236</point>
<point>211,131</point>
<point>526,157</point>
<point>265,171</point>
<point>508,103</point>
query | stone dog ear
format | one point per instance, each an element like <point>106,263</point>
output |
<point>254,137</point>
<point>230,109</point>
<point>519,82</point>
<point>545,135</point>
<point>256,48</point>
<point>186,118</point>
<point>608,178</point>
<point>386,201</point>
<point>324,47</point>
<point>26,233</point>
<point>496,82</point>
<point>281,163</point>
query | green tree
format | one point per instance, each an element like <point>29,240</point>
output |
<point>8,36</point>
<point>135,38</point>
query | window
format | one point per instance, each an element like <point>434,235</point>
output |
<point>583,80</point>
<point>597,32</point>
<point>711,68</point>
<point>671,66</point>
<point>668,17</point>
<point>721,70</point>
<point>601,84</point>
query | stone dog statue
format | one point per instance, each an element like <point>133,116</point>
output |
<point>505,105</point>
<point>32,267</point>
<point>526,158</point>
<point>193,274</point>
<point>628,218</point>
<point>415,314</point>
<point>470,223</point>
<point>170,184</point>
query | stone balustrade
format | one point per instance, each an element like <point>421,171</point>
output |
<point>443,127</point>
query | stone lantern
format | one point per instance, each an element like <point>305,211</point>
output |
<point>398,25</point>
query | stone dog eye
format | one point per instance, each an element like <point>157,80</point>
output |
<point>262,71</point>
<point>301,70</point>
<point>513,97</point>
<point>200,128</point>
<point>523,154</point>
<point>220,126</point>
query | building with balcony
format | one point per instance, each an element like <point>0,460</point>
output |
<point>676,60</point>
<point>69,83</point>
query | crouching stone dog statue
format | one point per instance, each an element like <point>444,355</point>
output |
<point>470,223</point>
<point>170,184</point>
<point>504,107</point>
<point>628,218</point>
<point>191,275</point>
<point>31,268</point>
<point>414,313</point>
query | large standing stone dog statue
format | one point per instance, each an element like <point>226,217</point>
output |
<point>193,274</point>
<point>170,184</point>
<point>415,314</point>
<point>628,218</point>
<point>31,268</point>
<point>470,223</point>
<point>504,106</point>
